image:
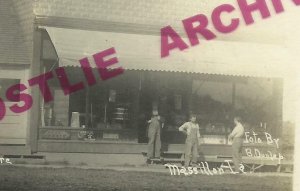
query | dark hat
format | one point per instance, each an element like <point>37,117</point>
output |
<point>154,112</point>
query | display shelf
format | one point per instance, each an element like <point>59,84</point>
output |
<point>69,133</point>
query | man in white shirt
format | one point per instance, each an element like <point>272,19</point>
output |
<point>191,129</point>
<point>237,135</point>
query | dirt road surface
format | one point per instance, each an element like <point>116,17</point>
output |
<point>74,179</point>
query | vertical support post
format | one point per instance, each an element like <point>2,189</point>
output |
<point>233,98</point>
<point>35,70</point>
<point>44,70</point>
<point>277,99</point>
<point>87,104</point>
<point>233,106</point>
<point>136,103</point>
<point>190,94</point>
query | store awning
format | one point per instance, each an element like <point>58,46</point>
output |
<point>142,52</point>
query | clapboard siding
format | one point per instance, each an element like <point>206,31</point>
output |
<point>10,113</point>
<point>5,127</point>
<point>16,26</point>
<point>12,132</point>
<point>13,127</point>
<point>12,119</point>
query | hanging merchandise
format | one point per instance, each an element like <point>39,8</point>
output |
<point>112,95</point>
<point>75,120</point>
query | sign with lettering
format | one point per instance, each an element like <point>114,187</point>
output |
<point>265,153</point>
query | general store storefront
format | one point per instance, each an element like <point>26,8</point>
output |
<point>110,117</point>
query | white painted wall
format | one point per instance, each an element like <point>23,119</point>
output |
<point>14,127</point>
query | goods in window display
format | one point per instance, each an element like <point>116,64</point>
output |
<point>59,123</point>
<point>90,136</point>
<point>56,134</point>
<point>112,95</point>
<point>48,115</point>
<point>111,136</point>
<point>75,122</point>
<point>42,82</point>
<point>81,135</point>
<point>121,114</point>
<point>215,128</point>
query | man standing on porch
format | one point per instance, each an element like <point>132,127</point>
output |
<point>191,129</point>
<point>154,143</point>
<point>237,136</point>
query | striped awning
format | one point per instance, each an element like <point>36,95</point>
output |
<point>142,52</point>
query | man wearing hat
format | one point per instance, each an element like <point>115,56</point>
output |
<point>154,143</point>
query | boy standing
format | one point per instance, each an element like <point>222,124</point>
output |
<point>191,129</point>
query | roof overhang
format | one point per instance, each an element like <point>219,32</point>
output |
<point>142,52</point>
